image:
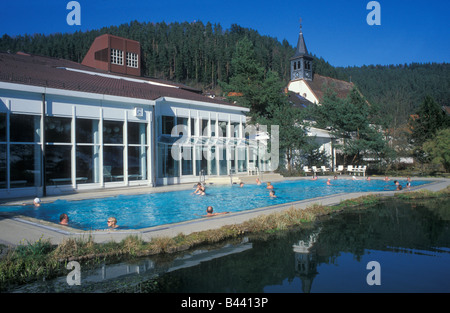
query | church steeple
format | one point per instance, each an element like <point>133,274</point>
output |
<point>301,62</point>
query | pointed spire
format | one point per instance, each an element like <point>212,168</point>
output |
<point>301,46</point>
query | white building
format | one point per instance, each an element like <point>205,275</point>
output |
<point>66,126</point>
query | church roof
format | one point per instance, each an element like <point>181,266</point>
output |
<point>298,100</point>
<point>301,50</point>
<point>320,84</point>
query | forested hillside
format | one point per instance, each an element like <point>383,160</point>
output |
<point>199,55</point>
<point>399,89</point>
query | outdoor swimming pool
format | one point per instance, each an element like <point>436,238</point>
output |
<point>153,209</point>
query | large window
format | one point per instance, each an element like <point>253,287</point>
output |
<point>58,153</point>
<point>58,129</point>
<point>88,151</point>
<point>137,151</point>
<point>213,128</point>
<point>3,166</point>
<point>3,124</point>
<point>223,129</point>
<point>25,128</point>
<point>168,166</point>
<point>3,158</point>
<point>25,165</point>
<point>112,132</point>
<point>113,163</point>
<point>236,130</point>
<point>167,123</point>
<point>25,151</point>
<point>204,130</point>
<point>223,160</point>
<point>58,164</point>
<point>88,165</point>
<point>187,167</point>
<point>242,159</point>
<point>113,151</point>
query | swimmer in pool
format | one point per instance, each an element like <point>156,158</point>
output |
<point>272,194</point>
<point>408,182</point>
<point>63,219</point>
<point>209,212</point>
<point>37,202</point>
<point>269,185</point>
<point>200,189</point>
<point>112,222</point>
<point>399,187</point>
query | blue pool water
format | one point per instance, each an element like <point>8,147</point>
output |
<point>147,210</point>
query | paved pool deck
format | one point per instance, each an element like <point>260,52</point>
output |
<point>15,230</point>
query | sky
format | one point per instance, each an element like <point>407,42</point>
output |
<point>338,31</point>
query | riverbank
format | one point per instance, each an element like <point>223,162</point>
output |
<point>41,259</point>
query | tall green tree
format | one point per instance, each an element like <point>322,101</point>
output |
<point>350,120</point>
<point>438,148</point>
<point>429,119</point>
<point>292,134</point>
<point>252,87</point>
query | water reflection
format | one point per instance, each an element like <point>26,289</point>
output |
<point>306,260</point>
<point>410,241</point>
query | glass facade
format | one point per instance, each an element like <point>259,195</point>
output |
<point>218,150</point>
<point>81,151</point>
<point>75,148</point>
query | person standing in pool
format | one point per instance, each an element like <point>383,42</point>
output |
<point>200,189</point>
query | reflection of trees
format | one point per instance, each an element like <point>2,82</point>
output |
<point>386,226</point>
<point>393,224</point>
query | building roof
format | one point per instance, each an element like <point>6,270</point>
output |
<point>320,84</point>
<point>301,49</point>
<point>34,70</point>
<point>446,109</point>
<point>298,100</point>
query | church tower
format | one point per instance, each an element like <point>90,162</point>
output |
<point>301,62</point>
